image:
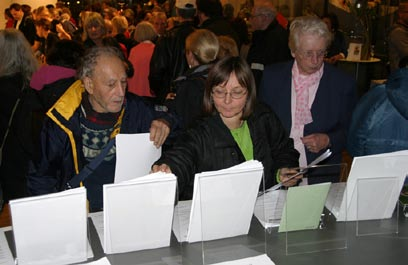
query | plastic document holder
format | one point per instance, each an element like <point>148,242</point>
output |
<point>51,229</point>
<point>221,215</point>
<point>306,224</point>
<point>138,213</point>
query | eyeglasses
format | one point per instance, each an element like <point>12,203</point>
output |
<point>235,94</point>
<point>310,54</point>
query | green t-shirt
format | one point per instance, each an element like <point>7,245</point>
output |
<point>243,138</point>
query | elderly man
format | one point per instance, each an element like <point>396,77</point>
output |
<point>314,100</point>
<point>82,123</point>
<point>269,39</point>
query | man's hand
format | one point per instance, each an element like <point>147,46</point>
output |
<point>316,142</point>
<point>162,168</point>
<point>159,130</point>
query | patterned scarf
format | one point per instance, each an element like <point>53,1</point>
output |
<point>302,85</point>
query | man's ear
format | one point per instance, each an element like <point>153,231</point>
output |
<point>88,84</point>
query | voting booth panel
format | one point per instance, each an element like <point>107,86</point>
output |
<point>377,215</point>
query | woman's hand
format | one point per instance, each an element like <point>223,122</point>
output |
<point>286,173</point>
<point>163,168</point>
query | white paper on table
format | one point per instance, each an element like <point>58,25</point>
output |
<point>258,260</point>
<point>102,261</point>
<point>135,154</point>
<point>229,196</point>
<point>138,213</point>
<point>6,258</point>
<point>269,207</point>
<point>51,229</point>
<point>373,167</point>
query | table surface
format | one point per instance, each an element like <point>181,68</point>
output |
<point>368,249</point>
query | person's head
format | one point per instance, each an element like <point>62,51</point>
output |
<point>263,13</point>
<point>129,15</point>
<point>159,21</point>
<point>186,9</point>
<point>94,27</point>
<point>145,31</point>
<point>16,54</point>
<point>201,47</point>
<point>331,21</point>
<point>308,41</point>
<point>120,25</point>
<point>228,47</point>
<point>65,53</point>
<point>7,14</point>
<point>228,11</point>
<point>103,75</point>
<point>43,27</point>
<point>403,12</point>
<point>230,89</point>
<point>16,11</point>
<point>210,8</point>
<point>42,12</point>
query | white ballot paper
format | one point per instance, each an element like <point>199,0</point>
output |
<point>269,207</point>
<point>223,203</point>
<point>135,154</point>
<point>258,260</point>
<point>51,229</point>
<point>380,179</point>
<point>138,213</point>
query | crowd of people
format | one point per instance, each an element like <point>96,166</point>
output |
<point>212,89</point>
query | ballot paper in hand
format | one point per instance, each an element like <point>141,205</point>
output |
<point>372,173</point>
<point>135,154</point>
<point>138,213</point>
<point>51,229</point>
<point>223,203</point>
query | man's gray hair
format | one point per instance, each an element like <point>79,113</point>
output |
<point>90,59</point>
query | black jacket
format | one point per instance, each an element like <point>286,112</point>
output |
<point>210,146</point>
<point>268,46</point>
<point>189,90</point>
<point>168,60</point>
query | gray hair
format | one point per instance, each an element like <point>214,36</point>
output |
<point>16,54</point>
<point>307,25</point>
<point>90,59</point>
<point>266,8</point>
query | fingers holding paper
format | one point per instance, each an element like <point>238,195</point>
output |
<point>159,130</point>
<point>316,142</point>
<point>163,168</point>
<point>289,176</point>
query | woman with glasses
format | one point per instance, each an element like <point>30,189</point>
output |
<point>313,99</point>
<point>236,128</point>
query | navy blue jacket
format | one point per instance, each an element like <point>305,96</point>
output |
<point>61,141</point>
<point>331,109</point>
